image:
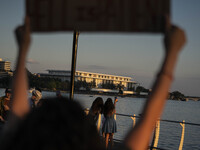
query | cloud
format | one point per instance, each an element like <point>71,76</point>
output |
<point>31,61</point>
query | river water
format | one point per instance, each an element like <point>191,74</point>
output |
<point>170,133</point>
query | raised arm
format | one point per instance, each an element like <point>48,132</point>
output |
<point>20,105</point>
<point>139,137</point>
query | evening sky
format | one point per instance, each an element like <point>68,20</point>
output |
<point>135,55</point>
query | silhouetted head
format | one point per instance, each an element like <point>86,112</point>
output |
<point>108,107</point>
<point>8,93</point>
<point>39,89</point>
<point>57,124</point>
<point>36,95</point>
<point>58,94</point>
<point>97,105</point>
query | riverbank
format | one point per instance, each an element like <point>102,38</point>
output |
<point>92,93</point>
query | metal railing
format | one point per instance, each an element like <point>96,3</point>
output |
<point>155,140</point>
<point>157,130</point>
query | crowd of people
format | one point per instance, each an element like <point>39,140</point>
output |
<point>5,102</point>
<point>61,124</point>
<point>98,108</point>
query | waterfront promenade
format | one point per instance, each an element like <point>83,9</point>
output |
<point>170,133</point>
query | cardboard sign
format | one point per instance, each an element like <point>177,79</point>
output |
<point>98,15</point>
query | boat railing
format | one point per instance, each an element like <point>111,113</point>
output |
<point>154,143</point>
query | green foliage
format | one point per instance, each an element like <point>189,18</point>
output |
<point>132,89</point>
<point>48,83</point>
<point>141,89</point>
<point>176,95</point>
<point>84,84</point>
<point>5,81</point>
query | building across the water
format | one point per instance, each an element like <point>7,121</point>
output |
<point>5,69</point>
<point>4,65</point>
<point>98,78</point>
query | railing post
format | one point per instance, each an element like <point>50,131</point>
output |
<point>156,135</point>
<point>134,120</point>
<point>99,123</point>
<point>86,111</point>
<point>115,116</point>
<point>182,135</point>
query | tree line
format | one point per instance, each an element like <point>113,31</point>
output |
<point>47,83</point>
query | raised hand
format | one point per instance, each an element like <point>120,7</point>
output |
<point>174,38</point>
<point>22,34</point>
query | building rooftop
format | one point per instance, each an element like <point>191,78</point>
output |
<point>68,71</point>
<point>103,74</point>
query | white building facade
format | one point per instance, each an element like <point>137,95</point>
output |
<point>5,69</point>
<point>98,78</point>
<point>4,65</point>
